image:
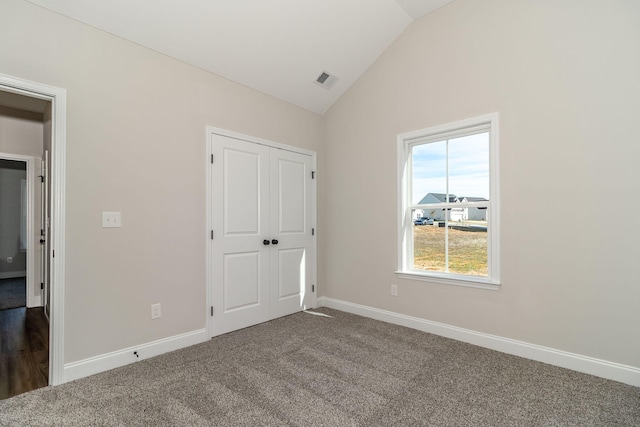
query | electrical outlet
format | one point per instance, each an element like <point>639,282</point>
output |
<point>394,290</point>
<point>156,311</point>
<point>9,259</point>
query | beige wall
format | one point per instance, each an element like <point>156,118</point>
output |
<point>136,144</point>
<point>564,77</point>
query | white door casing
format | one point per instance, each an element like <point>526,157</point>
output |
<point>44,233</point>
<point>260,251</point>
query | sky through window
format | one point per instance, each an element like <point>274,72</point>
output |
<point>468,174</point>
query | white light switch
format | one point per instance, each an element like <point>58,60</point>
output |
<point>111,220</point>
<point>156,311</point>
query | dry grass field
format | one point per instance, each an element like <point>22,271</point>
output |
<point>467,250</point>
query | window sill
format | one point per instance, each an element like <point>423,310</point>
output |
<point>470,282</point>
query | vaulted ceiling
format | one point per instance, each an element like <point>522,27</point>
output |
<point>279,47</point>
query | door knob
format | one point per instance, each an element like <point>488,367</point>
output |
<point>265,242</point>
<point>274,241</point>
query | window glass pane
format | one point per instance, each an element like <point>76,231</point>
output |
<point>468,243</point>
<point>429,172</point>
<point>469,167</point>
<point>428,244</point>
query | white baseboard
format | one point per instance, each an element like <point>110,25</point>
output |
<point>13,274</point>
<point>589,365</point>
<point>34,301</point>
<point>115,359</point>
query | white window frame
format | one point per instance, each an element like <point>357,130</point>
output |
<point>456,129</point>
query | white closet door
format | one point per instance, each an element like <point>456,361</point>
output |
<point>240,220</point>
<point>290,226</point>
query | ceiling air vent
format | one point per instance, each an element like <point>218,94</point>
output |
<point>326,80</point>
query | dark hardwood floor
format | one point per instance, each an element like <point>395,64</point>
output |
<point>24,350</point>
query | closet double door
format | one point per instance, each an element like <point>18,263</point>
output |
<point>262,246</point>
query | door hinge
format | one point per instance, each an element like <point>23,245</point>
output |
<point>53,253</point>
<point>211,234</point>
<point>313,288</point>
<point>212,159</point>
<point>313,231</point>
<point>211,311</point>
<point>41,285</point>
<point>313,174</point>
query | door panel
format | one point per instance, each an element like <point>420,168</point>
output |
<point>291,265</point>
<point>242,192</point>
<point>240,261</point>
<point>290,224</point>
<point>291,182</point>
<point>241,281</point>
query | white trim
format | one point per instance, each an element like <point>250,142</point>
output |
<point>36,300</point>
<point>314,239</point>
<point>405,243</point>
<point>58,99</point>
<point>588,365</point>
<point>402,200</point>
<point>115,359</point>
<point>209,229</point>
<point>256,140</point>
<point>443,279</point>
<point>209,132</point>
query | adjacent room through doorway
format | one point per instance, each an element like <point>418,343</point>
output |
<point>24,326</point>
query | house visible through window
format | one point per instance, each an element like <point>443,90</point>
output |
<point>448,214</point>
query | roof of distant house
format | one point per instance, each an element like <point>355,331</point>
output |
<point>474,199</point>
<point>440,197</point>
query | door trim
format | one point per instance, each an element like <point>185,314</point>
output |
<point>210,131</point>
<point>58,99</point>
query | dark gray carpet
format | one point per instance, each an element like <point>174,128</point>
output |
<point>309,370</point>
<point>13,293</point>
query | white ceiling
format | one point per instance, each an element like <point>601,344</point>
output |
<point>278,47</point>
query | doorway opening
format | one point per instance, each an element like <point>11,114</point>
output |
<point>32,141</point>
<point>23,314</point>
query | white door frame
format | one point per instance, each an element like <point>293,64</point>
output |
<point>31,254</point>
<point>58,99</point>
<point>210,131</point>
<point>44,227</point>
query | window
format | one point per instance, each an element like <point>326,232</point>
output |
<point>448,203</point>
